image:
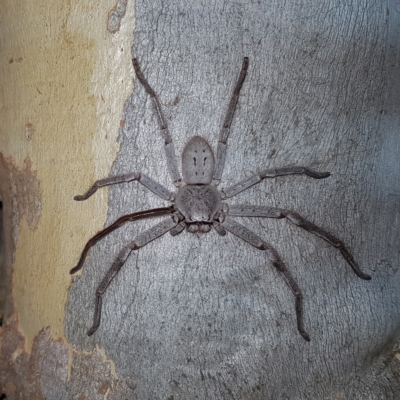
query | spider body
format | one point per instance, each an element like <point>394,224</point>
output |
<point>198,205</point>
<point>197,200</point>
<point>198,162</point>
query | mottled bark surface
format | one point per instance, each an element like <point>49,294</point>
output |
<point>207,317</point>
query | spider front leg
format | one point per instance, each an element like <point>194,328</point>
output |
<point>140,241</point>
<point>298,220</point>
<point>250,237</point>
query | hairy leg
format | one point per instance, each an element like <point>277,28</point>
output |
<point>151,184</point>
<point>169,146</point>
<point>226,127</point>
<point>270,173</point>
<point>250,237</point>
<point>140,241</point>
<point>296,219</point>
<point>156,212</point>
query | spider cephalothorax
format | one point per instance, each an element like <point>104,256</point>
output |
<point>199,206</point>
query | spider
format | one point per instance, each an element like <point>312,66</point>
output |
<point>198,205</point>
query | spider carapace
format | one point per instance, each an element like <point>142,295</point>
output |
<point>198,205</point>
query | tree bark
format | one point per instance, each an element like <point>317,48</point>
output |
<point>205,316</point>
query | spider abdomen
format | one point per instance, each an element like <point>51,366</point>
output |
<point>197,162</point>
<point>198,203</point>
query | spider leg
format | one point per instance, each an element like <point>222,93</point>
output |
<point>140,241</point>
<point>226,127</point>
<point>169,146</point>
<point>151,184</point>
<point>270,173</point>
<point>250,237</point>
<point>156,212</point>
<point>296,219</point>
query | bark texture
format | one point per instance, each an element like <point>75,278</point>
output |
<point>207,317</point>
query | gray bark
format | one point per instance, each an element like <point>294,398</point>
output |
<point>205,316</point>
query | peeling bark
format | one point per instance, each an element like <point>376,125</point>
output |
<point>43,374</point>
<point>115,16</point>
<point>40,375</point>
<point>20,195</point>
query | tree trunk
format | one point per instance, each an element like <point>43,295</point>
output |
<point>200,316</point>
